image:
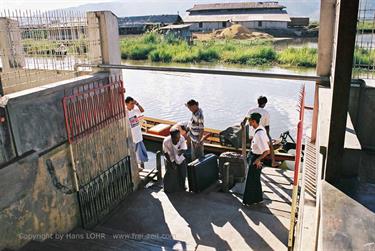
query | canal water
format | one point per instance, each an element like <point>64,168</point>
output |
<point>224,99</point>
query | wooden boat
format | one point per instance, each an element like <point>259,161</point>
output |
<point>212,143</point>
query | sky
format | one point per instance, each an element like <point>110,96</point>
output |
<point>45,4</point>
<point>121,8</point>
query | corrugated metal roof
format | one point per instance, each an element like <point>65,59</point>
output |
<point>175,26</point>
<point>153,19</point>
<point>283,17</point>
<point>231,6</point>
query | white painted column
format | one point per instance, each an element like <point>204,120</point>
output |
<point>11,53</point>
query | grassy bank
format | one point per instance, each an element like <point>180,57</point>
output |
<point>246,52</point>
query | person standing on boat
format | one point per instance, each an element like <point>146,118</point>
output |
<point>195,129</point>
<point>264,122</point>
<point>134,111</point>
<point>174,147</point>
<point>259,150</point>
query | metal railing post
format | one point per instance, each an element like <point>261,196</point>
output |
<point>158,165</point>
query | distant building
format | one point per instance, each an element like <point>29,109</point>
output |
<point>181,31</point>
<point>299,21</point>
<point>253,15</point>
<point>141,24</point>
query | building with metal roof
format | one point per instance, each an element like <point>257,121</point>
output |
<point>140,24</point>
<point>253,15</point>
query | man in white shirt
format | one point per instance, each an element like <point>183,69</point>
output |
<point>134,112</point>
<point>259,150</point>
<point>174,147</point>
<point>264,122</point>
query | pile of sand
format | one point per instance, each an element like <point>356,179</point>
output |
<point>238,31</point>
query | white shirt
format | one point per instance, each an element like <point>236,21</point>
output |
<point>264,120</point>
<point>172,150</point>
<point>135,116</point>
<point>259,143</point>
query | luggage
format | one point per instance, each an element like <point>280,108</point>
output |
<point>160,129</point>
<point>237,166</point>
<point>232,136</point>
<point>203,173</point>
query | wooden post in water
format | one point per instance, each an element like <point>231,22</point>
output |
<point>158,165</point>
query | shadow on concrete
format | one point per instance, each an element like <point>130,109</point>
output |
<point>142,214</point>
<point>267,181</point>
<point>199,217</point>
<point>202,213</point>
<point>270,221</point>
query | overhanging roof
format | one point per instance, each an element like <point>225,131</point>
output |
<point>175,27</point>
<point>236,6</point>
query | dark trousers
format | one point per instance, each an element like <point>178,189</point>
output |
<point>197,150</point>
<point>253,189</point>
<point>175,176</point>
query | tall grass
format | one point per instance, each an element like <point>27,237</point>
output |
<point>252,56</point>
<point>306,57</point>
<point>157,48</point>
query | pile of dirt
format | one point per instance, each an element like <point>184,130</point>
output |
<point>238,31</point>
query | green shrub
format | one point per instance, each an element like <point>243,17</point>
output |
<point>161,55</point>
<point>140,52</point>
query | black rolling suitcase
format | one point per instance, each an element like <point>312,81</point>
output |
<point>203,173</point>
<point>237,165</point>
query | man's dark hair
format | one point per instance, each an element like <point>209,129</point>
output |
<point>129,99</point>
<point>174,132</point>
<point>192,102</point>
<point>262,100</point>
<point>256,116</point>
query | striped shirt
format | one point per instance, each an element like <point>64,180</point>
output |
<point>196,125</point>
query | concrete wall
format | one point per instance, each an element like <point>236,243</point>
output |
<point>209,26</point>
<point>265,25</point>
<point>362,111</point>
<point>36,115</point>
<point>31,204</point>
<point>360,163</point>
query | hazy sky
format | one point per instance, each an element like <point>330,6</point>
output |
<point>45,4</point>
<point>308,8</point>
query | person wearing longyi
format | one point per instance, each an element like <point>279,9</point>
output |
<point>264,121</point>
<point>259,150</point>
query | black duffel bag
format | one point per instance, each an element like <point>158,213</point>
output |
<point>232,136</point>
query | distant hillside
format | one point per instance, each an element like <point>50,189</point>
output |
<point>308,8</point>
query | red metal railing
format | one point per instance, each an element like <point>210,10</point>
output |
<point>87,111</point>
<point>297,164</point>
<point>299,136</point>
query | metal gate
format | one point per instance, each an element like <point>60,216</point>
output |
<point>98,197</point>
<point>96,130</point>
